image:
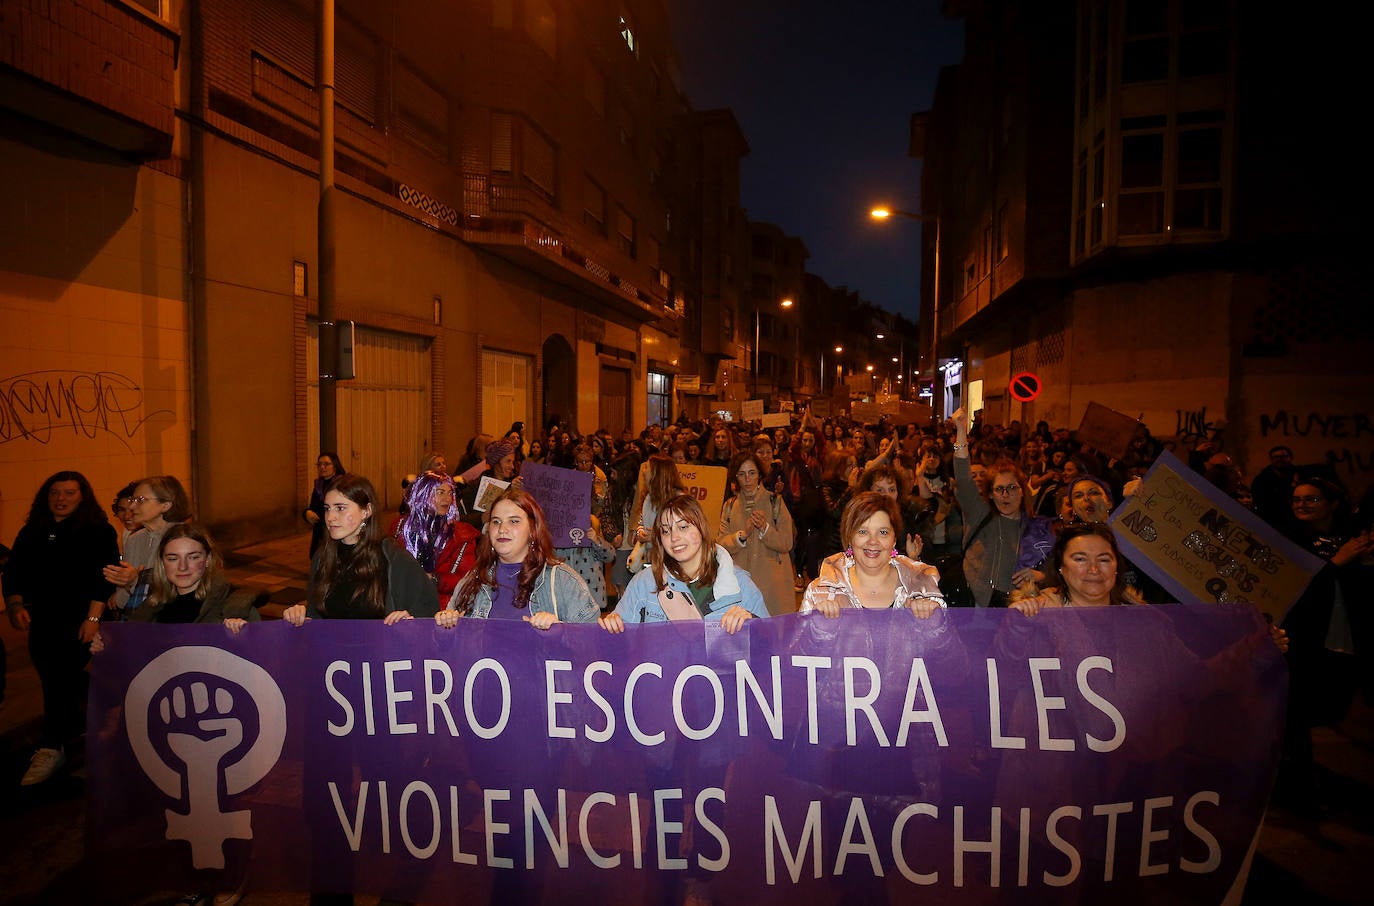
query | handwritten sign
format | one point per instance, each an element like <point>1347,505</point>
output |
<point>1203,546</point>
<point>777,420</point>
<point>487,492</point>
<point>1107,430</point>
<point>820,407</point>
<point>707,485</point>
<point>566,496</point>
<point>786,406</point>
<point>752,410</point>
<point>866,413</point>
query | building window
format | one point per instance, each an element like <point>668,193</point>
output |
<point>594,87</point>
<point>541,24</point>
<point>518,148</point>
<point>422,112</point>
<point>503,14</point>
<point>594,207</point>
<point>625,231</point>
<point>660,398</point>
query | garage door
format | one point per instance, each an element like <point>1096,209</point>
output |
<point>384,413</point>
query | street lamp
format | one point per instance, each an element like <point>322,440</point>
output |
<point>883,212</point>
<point>785,302</point>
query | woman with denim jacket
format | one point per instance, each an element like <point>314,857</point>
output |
<point>688,578</point>
<point>517,575</point>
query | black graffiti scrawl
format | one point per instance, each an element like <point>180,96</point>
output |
<point>37,405</point>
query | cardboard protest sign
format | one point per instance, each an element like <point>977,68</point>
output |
<point>866,413</point>
<point>707,484</point>
<point>1106,430</point>
<point>1203,546</point>
<point>786,406</point>
<point>566,497</point>
<point>488,491</point>
<point>752,410</point>
<point>776,420</point>
<point>820,407</point>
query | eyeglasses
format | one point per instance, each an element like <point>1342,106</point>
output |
<point>135,501</point>
<point>746,473</point>
<point>1006,490</point>
<point>1310,498</point>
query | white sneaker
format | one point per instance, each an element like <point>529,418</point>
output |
<point>43,765</point>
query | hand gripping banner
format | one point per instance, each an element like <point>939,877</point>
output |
<point>1085,755</point>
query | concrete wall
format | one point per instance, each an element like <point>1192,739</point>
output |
<point>94,338</point>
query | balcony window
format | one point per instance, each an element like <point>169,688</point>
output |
<point>594,207</point>
<point>625,232</point>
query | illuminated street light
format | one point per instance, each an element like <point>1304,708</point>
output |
<point>870,367</point>
<point>839,349</point>
<point>786,303</point>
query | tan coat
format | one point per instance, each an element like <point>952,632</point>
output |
<point>767,557</point>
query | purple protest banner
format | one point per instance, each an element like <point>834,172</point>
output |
<point>1086,754</point>
<point>566,497</point>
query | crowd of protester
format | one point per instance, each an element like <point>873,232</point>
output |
<point>819,516</point>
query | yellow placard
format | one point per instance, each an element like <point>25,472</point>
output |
<point>707,485</point>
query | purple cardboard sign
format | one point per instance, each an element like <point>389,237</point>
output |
<point>566,496</point>
<point>1120,754</point>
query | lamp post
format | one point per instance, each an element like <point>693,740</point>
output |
<point>785,302</point>
<point>882,212</point>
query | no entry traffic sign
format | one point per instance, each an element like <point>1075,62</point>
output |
<point>1025,387</point>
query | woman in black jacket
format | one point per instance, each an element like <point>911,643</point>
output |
<point>55,591</point>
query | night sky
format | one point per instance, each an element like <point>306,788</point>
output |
<point>824,90</point>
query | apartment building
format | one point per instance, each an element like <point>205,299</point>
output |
<point>1141,203</point>
<point>504,237</point>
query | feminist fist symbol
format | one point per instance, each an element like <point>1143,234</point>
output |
<point>204,826</point>
<point>202,735</point>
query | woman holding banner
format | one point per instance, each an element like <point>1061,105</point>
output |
<point>870,573</point>
<point>688,578</point>
<point>517,576</point>
<point>359,573</point>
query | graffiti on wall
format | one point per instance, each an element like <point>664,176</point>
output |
<point>1346,440</point>
<point>38,405</point>
<point>1192,427</point>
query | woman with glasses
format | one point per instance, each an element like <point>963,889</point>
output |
<point>327,468</point>
<point>159,502</point>
<point>994,525</point>
<point>756,528</point>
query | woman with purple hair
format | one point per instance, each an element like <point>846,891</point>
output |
<point>443,545</point>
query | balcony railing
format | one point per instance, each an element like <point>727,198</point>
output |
<point>497,207</point>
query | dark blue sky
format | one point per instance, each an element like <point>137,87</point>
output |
<point>824,91</point>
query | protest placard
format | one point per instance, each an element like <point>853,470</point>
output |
<point>488,491</point>
<point>776,420</point>
<point>1092,755</point>
<point>819,407</point>
<point>566,498</point>
<point>866,413</point>
<point>786,406</point>
<point>752,410</point>
<point>1106,430</point>
<point>1203,546</point>
<point>707,484</point>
